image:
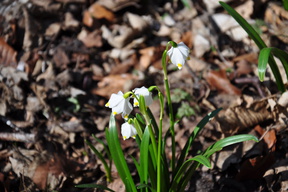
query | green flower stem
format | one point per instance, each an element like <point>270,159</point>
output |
<point>153,121</point>
<point>159,165</point>
<point>171,116</point>
<point>143,110</point>
<point>152,136</point>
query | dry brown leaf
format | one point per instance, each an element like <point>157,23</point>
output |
<point>269,137</point>
<point>117,185</point>
<point>239,118</point>
<point>277,16</point>
<point>32,28</point>
<point>114,84</point>
<point>87,19</point>
<point>218,80</point>
<point>61,58</point>
<point>53,29</point>
<point>137,22</point>
<point>99,12</point>
<point>146,57</point>
<point>121,38</point>
<point>7,54</point>
<point>243,68</point>
<point>255,168</point>
<point>40,175</point>
<point>125,66</point>
<point>70,23</point>
<point>149,56</point>
<point>116,5</point>
<point>90,39</point>
<point>249,57</point>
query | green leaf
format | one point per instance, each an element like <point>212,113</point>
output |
<point>181,172</point>
<point>100,156</point>
<point>259,42</point>
<point>202,159</point>
<point>142,104</point>
<point>217,146</point>
<point>94,186</point>
<point>104,145</point>
<point>138,127</point>
<point>144,149</point>
<point>193,135</point>
<point>118,156</point>
<point>262,62</point>
<point>285,4</point>
<point>140,118</point>
<point>264,55</point>
<point>245,25</point>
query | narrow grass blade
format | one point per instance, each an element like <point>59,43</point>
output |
<point>262,62</point>
<point>193,135</point>
<point>104,145</point>
<point>212,149</point>
<point>102,159</point>
<point>217,146</point>
<point>245,25</point>
<point>181,172</point>
<point>264,55</point>
<point>144,149</point>
<point>118,156</point>
<point>257,39</point>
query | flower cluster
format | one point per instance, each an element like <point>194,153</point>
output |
<point>120,103</point>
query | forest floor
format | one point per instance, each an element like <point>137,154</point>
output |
<point>60,61</point>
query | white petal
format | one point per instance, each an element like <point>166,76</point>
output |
<point>118,108</point>
<point>170,52</point>
<point>177,58</point>
<point>141,91</point>
<point>149,100</point>
<point>115,99</point>
<point>128,130</point>
<point>127,108</point>
<point>135,102</point>
<point>145,93</point>
<point>184,50</point>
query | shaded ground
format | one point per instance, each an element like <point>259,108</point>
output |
<point>61,60</point>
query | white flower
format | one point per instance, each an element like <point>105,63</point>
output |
<point>178,55</point>
<point>128,130</point>
<point>145,93</point>
<point>119,104</point>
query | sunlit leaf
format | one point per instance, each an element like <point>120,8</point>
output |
<point>228,141</point>
<point>259,42</point>
<point>118,156</point>
<point>264,55</point>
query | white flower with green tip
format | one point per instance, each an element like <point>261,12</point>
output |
<point>179,54</point>
<point>119,104</point>
<point>145,93</point>
<point>128,130</point>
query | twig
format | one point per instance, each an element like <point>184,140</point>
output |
<point>18,137</point>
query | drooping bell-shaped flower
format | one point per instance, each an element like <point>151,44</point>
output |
<point>119,104</point>
<point>179,54</point>
<point>128,130</point>
<point>145,93</point>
